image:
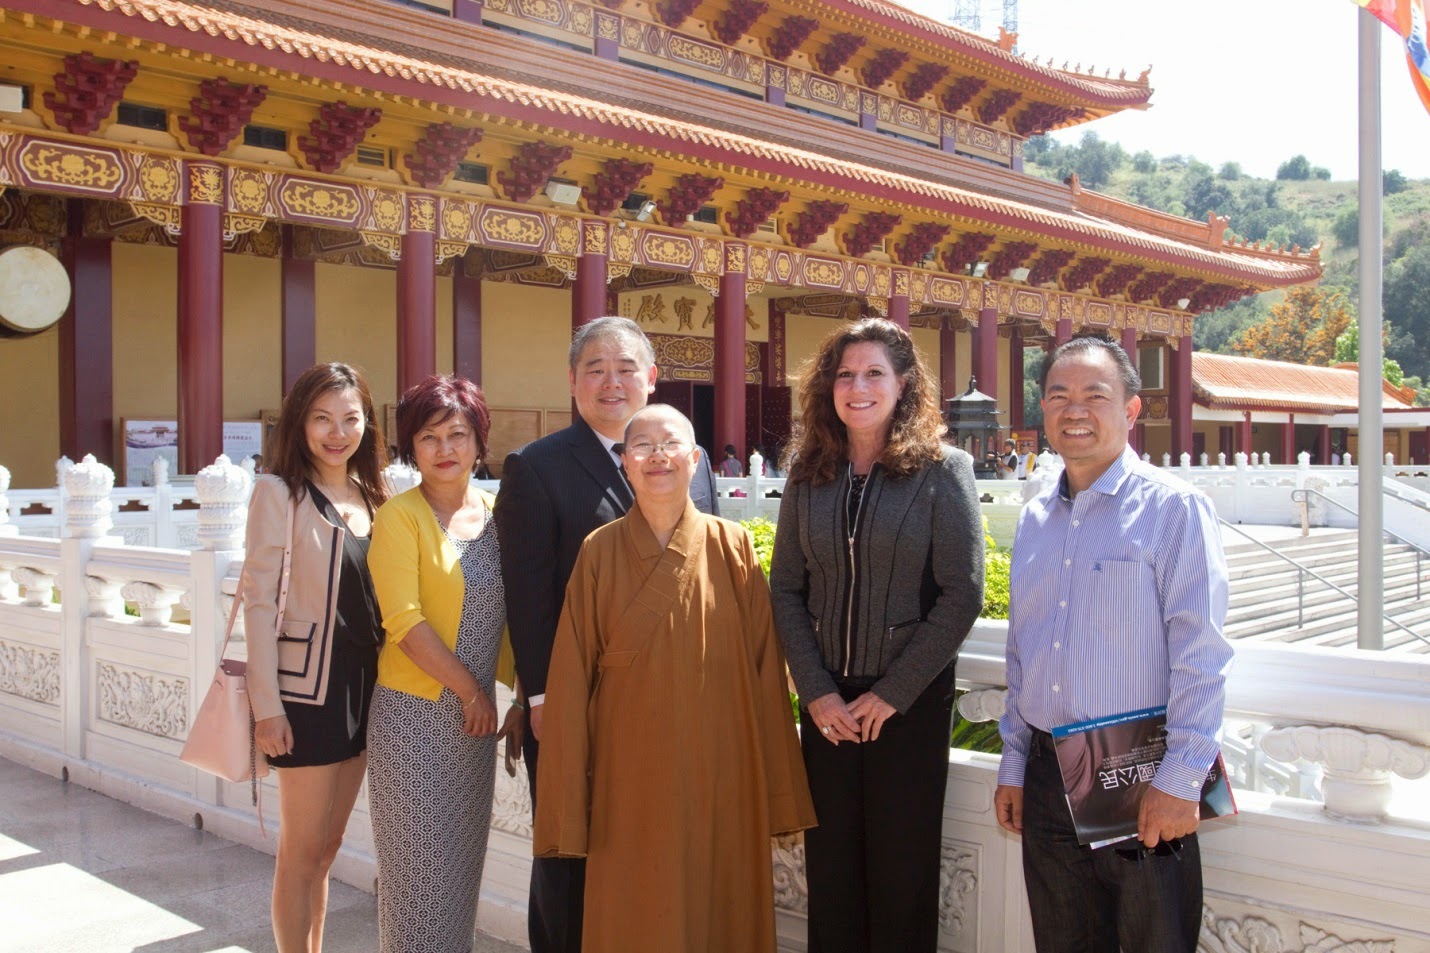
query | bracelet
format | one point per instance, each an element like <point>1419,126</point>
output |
<point>517,703</point>
<point>475,698</point>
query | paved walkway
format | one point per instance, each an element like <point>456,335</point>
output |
<point>82,873</point>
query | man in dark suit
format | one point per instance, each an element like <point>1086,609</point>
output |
<point>554,492</point>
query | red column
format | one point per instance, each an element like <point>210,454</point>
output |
<point>1062,333</point>
<point>730,352</point>
<point>1181,395</point>
<point>468,11</point>
<point>1244,443</point>
<point>985,352</point>
<point>417,295</point>
<point>1129,343</point>
<point>947,363</point>
<point>300,313</point>
<point>87,346</point>
<point>467,320</point>
<point>588,291</point>
<point>1015,379</point>
<point>201,319</point>
<point>1288,439</point>
<point>899,300</point>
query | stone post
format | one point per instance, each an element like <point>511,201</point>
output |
<point>1358,765</point>
<point>88,510</point>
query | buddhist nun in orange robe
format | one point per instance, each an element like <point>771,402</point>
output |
<point>668,749</point>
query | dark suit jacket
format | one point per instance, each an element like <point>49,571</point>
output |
<point>554,492</point>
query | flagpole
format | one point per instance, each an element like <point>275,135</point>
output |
<point>1370,633</point>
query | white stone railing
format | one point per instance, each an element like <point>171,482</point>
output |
<point>101,682</point>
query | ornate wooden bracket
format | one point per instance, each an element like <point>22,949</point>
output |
<point>738,17</point>
<point>1149,285</point>
<point>1177,289</point>
<point>710,283</point>
<point>1010,256</point>
<point>439,151</point>
<point>837,52</point>
<point>924,77</point>
<point>615,181</point>
<point>966,250</point>
<point>756,207</point>
<point>1209,297</point>
<point>1080,275</point>
<point>815,220</point>
<point>220,111</point>
<point>1038,118</point>
<point>90,88</point>
<point>789,36</point>
<point>998,102</point>
<point>336,133</point>
<point>689,193</point>
<point>235,225</point>
<point>674,12</point>
<point>882,65</point>
<point>1115,280</point>
<point>566,264</point>
<point>859,239</point>
<point>1046,268</point>
<point>920,242</point>
<point>960,93</point>
<point>532,165</point>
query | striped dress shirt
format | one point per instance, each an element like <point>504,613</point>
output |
<point>1118,602</point>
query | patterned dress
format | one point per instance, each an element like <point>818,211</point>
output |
<point>431,786</point>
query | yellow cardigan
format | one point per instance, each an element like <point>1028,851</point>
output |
<point>416,575</point>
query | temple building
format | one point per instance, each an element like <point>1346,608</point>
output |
<point>239,189</point>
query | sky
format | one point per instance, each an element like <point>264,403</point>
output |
<point>1249,81</point>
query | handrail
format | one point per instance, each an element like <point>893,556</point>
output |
<point>1299,496</point>
<point>1318,577</point>
<point>1418,504</point>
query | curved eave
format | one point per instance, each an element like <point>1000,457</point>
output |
<point>547,112</point>
<point>1082,90</point>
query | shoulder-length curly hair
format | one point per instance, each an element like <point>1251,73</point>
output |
<point>288,455</point>
<point>820,445</point>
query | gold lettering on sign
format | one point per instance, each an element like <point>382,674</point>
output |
<point>334,203</point>
<point>87,169</point>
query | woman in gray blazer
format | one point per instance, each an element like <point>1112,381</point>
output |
<point>313,629</point>
<point>876,580</point>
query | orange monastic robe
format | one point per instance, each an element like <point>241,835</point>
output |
<point>668,750</point>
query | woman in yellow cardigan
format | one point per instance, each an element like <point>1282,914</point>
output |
<point>432,733</point>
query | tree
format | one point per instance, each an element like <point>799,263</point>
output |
<point>1203,194</point>
<point>1346,227</point>
<point>1231,171</point>
<point>1407,306</point>
<point>1348,352</point>
<point>1144,162</point>
<point>1095,160</point>
<point>1294,169</point>
<point>1393,182</point>
<point>1301,329</point>
<point>1322,173</point>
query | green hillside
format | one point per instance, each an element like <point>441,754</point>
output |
<point>1300,207</point>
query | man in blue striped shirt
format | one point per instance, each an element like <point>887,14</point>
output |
<point>1119,593</point>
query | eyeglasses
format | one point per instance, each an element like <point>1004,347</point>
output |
<point>644,449</point>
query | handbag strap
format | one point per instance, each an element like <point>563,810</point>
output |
<point>282,584</point>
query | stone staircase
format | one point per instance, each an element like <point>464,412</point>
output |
<point>1264,592</point>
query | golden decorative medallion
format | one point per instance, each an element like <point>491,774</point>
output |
<point>881,282</point>
<point>775,75</point>
<point>910,116</point>
<point>784,267</point>
<point>901,283</point>
<point>984,138</point>
<point>886,109</point>
<point>1029,303</point>
<point>861,278</point>
<point>824,90</point>
<point>565,234</point>
<point>607,26</point>
<point>248,190</point>
<point>546,11</point>
<point>668,250</point>
<point>1098,314</point>
<point>159,178</point>
<point>89,169</point>
<point>797,79</point>
<point>822,273</point>
<point>421,213</point>
<point>205,184</point>
<point>512,228</point>
<point>386,210</point>
<point>1160,323</point>
<point>456,219</point>
<point>759,262</point>
<point>735,258</point>
<point>696,53</point>
<point>710,258</point>
<point>868,103</point>
<point>333,203</point>
<point>632,34</point>
<point>581,21</point>
<point>595,243</point>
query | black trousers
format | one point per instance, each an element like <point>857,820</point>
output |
<point>557,899</point>
<point>1097,901</point>
<point>872,864</point>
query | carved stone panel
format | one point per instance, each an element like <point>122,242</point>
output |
<point>29,672</point>
<point>958,894</point>
<point>145,701</point>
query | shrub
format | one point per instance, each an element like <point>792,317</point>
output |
<point>1393,182</point>
<point>1294,169</point>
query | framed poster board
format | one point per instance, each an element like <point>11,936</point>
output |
<point>147,439</point>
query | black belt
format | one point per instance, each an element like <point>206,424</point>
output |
<point>1041,743</point>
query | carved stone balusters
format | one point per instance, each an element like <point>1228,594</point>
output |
<point>88,509</point>
<point>39,585</point>
<point>1358,765</point>
<point>985,704</point>
<point>105,601</point>
<point>156,603</point>
<point>223,491</point>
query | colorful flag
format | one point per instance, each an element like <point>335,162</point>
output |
<point>1407,19</point>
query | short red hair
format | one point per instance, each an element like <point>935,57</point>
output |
<point>435,400</point>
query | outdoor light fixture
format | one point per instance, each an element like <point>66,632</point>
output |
<point>646,210</point>
<point>563,191</point>
<point>978,269</point>
<point>1020,274</point>
<point>1183,302</point>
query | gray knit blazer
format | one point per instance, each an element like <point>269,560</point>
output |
<point>918,579</point>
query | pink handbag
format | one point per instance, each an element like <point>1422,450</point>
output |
<point>221,738</point>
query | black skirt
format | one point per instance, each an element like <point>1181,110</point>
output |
<point>336,730</point>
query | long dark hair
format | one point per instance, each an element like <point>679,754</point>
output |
<point>288,457</point>
<point>820,445</point>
